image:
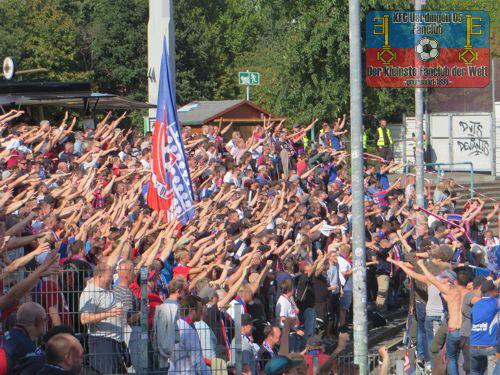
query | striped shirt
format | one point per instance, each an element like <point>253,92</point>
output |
<point>125,296</point>
<point>380,197</point>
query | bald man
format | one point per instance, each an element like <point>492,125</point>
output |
<point>64,355</point>
<point>23,355</point>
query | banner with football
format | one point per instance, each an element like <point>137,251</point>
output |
<point>427,49</point>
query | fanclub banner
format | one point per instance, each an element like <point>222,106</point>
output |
<point>427,49</point>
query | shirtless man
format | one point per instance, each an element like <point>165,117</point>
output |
<point>453,295</point>
<point>434,299</point>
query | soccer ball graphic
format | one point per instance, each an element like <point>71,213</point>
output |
<point>427,49</point>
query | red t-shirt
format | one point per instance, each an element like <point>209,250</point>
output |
<point>301,167</point>
<point>322,358</point>
<point>153,301</point>
<point>181,271</point>
<point>50,295</point>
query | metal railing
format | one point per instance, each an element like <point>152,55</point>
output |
<point>346,364</point>
<point>121,345</point>
<point>440,172</point>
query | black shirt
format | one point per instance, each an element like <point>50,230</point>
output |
<point>305,292</point>
<point>320,284</point>
<point>264,356</point>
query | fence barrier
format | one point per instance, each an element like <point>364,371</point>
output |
<point>125,343</point>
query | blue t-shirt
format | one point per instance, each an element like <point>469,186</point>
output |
<point>498,256</point>
<point>383,179</point>
<point>335,142</point>
<point>484,322</point>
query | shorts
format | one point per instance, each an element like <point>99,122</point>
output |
<point>346,300</point>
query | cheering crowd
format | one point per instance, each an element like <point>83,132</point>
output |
<point>260,278</point>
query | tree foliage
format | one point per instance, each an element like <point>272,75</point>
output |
<point>300,47</point>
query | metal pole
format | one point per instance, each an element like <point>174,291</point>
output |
<point>358,211</point>
<point>419,123</point>
<point>248,87</point>
<point>237,340</point>
<point>144,355</point>
<point>160,24</point>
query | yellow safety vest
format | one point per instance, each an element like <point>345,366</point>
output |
<point>365,139</point>
<point>424,145</point>
<point>380,141</point>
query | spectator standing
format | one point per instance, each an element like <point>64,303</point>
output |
<point>165,328</point>
<point>23,355</point>
<point>484,330</point>
<point>469,300</point>
<point>126,298</point>
<point>249,349</point>
<point>384,141</point>
<point>345,275</point>
<point>187,355</point>
<point>104,319</point>
<point>268,349</point>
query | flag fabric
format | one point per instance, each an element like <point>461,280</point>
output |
<point>455,217</point>
<point>406,363</point>
<point>170,187</point>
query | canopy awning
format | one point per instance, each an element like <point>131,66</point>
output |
<point>64,94</point>
<point>90,100</point>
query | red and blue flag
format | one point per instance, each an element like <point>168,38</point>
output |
<point>170,188</point>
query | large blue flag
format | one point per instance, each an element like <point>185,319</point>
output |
<point>170,187</point>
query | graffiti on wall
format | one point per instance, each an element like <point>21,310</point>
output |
<point>474,143</point>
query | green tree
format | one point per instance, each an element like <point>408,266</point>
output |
<point>40,35</point>
<point>119,46</point>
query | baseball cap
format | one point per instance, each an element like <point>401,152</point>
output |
<point>280,364</point>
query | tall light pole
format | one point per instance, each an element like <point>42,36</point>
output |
<point>358,210</point>
<point>161,23</point>
<point>419,123</point>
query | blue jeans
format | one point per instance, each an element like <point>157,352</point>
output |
<point>453,351</point>
<point>309,322</point>
<point>295,343</point>
<point>432,324</point>
<point>308,317</point>
<point>479,359</point>
<point>422,349</point>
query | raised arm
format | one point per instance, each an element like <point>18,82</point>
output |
<point>409,271</point>
<point>48,267</point>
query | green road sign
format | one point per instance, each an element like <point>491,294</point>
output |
<point>249,78</point>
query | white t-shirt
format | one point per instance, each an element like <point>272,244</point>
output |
<point>344,266</point>
<point>97,300</point>
<point>284,309</point>
<point>145,164</point>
